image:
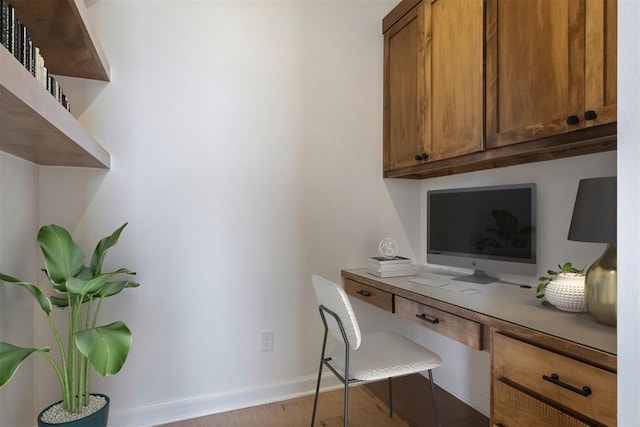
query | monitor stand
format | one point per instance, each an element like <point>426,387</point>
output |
<point>478,276</point>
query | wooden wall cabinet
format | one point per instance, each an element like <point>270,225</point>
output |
<point>532,385</point>
<point>544,89</point>
<point>33,126</point>
<point>549,75</point>
<point>433,82</point>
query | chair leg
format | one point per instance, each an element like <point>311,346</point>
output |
<point>315,399</point>
<point>346,403</point>
<point>390,398</point>
<point>433,399</point>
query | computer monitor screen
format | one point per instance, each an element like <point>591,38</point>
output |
<point>488,229</point>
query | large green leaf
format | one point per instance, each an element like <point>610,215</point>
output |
<point>42,299</point>
<point>106,347</point>
<point>60,302</point>
<point>10,359</point>
<point>62,257</point>
<point>86,287</point>
<point>113,288</point>
<point>101,249</point>
<point>81,287</point>
<point>85,274</point>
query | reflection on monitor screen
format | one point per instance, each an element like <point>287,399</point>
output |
<point>488,229</point>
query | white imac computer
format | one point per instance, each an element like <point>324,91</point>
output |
<point>488,229</point>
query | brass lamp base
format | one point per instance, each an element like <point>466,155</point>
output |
<point>601,287</point>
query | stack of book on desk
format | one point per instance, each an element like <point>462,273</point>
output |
<point>390,267</point>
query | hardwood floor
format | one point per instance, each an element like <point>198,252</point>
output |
<point>367,408</point>
<point>412,402</point>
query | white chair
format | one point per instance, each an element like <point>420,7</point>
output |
<point>369,357</point>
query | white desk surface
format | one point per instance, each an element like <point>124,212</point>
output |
<point>511,303</point>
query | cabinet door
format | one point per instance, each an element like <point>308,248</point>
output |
<point>404,90</point>
<point>558,379</point>
<point>601,61</point>
<point>454,66</point>
<point>513,408</point>
<point>535,69</point>
<point>433,83</point>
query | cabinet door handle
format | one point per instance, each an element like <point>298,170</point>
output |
<point>423,156</point>
<point>364,293</point>
<point>424,317</point>
<point>573,120</point>
<point>554,378</point>
<point>590,115</point>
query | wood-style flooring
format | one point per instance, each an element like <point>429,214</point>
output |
<point>367,408</point>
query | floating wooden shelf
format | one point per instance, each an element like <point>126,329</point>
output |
<point>35,127</point>
<point>68,45</point>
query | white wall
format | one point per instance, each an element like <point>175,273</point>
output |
<point>557,184</point>
<point>246,153</point>
<point>18,258</point>
<point>628,207</point>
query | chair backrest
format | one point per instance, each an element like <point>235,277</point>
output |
<point>333,297</point>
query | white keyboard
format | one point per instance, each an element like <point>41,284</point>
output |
<point>428,281</point>
<point>440,283</point>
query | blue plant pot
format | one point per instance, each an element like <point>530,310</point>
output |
<point>97,419</point>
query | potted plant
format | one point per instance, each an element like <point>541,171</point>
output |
<point>564,288</point>
<point>80,290</point>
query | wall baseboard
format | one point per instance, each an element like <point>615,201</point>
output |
<point>200,406</point>
<point>477,399</point>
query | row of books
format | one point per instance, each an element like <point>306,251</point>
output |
<point>15,38</point>
<point>390,267</point>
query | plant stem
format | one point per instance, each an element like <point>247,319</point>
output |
<point>62,375</point>
<point>76,323</point>
<point>59,373</point>
<point>84,373</point>
<point>95,315</point>
<point>93,325</point>
<point>68,404</point>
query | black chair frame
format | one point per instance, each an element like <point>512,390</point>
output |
<point>345,380</point>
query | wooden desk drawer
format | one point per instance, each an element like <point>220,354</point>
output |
<point>458,328</point>
<point>534,368</point>
<point>369,294</point>
<point>513,408</point>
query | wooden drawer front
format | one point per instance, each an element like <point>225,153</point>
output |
<point>458,328</point>
<point>369,294</point>
<point>525,365</point>
<point>513,408</point>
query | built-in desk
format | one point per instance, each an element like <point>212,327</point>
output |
<point>548,367</point>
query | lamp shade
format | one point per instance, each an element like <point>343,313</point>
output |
<point>595,211</point>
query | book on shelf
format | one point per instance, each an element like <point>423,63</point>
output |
<point>5,19</point>
<point>390,267</point>
<point>15,37</point>
<point>395,260</point>
<point>394,273</point>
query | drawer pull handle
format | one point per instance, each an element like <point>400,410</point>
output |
<point>424,317</point>
<point>364,293</point>
<point>585,391</point>
<point>573,120</point>
<point>590,115</point>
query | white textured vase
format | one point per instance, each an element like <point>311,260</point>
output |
<point>566,292</point>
